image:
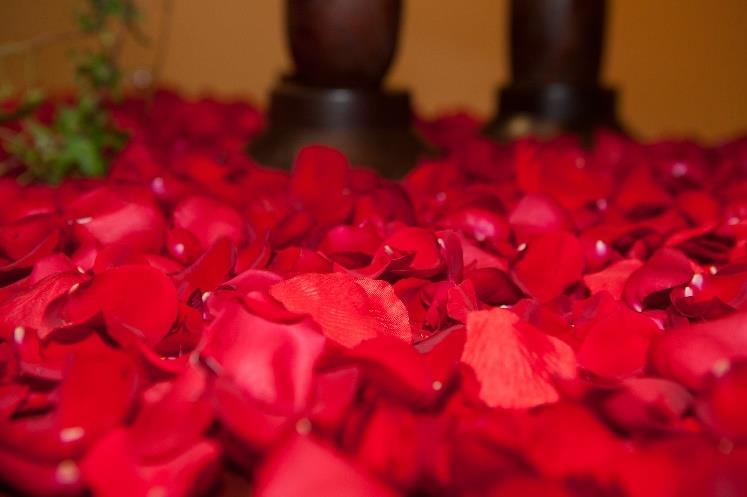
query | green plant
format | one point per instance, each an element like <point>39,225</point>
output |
<point>82,135</point>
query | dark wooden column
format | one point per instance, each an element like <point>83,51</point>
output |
<point>556,50</point>
<point>342,50</point>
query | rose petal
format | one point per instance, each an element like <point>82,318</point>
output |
<point>549,264</point>
<point>287,472</point>
<point>666,269</point>
<point>515,363</point>
<point>209,220</point>
<point>271,362</point>
<point>348,310</point>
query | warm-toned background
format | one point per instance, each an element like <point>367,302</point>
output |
<point>681,64</point>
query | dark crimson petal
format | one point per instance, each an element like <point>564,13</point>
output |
<point>209,220</point>
<point>287,472</point>
<point>11,396</point>
<point>40,479</point>
<point>648,404</point>
<point>616,344</point>
<point>712,296</point>
<point>208,271</point>
<point>519,486</point>
<point>666,269</point>
<point>272,362</point>
<point>493,286</point>
<point>515,363</point>
<point>723,406</point>
<point>25,308</point>
<point>689,354</point>
<point>111,470</point>
<point>550,263</point>
<point>348,310</point>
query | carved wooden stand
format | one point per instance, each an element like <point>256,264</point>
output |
<point>556,52</point>
<point>342,50</point>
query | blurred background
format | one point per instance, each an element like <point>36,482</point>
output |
<point>681,65</point>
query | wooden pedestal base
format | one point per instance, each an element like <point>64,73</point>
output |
<point>372,127</point>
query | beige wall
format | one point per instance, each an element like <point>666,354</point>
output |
<point>681,64</point>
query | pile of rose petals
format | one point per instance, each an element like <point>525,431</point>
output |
<point>532,319</point>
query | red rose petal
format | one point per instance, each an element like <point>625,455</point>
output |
<point>688,354</point>
<point>26,307</point>
<point>612,279</point>
<point>118,216</point>
<point>137,302</point>
<point>421,242</point>
<point>208,271</point>
<point>567,440</point>
<point>320,180</point>
<point>536,214</point>
<point>666,269</point>
<point>348,310</point>
<point>723,406</point>
<point>287,472</point>
<point>40,479</point>
<point>515,363</point>
<point>97,392</point>
<point>166,426</point>
<point>209,220</point>
<point>271,362</point>
<point>648,404</point>
<point>616,344</point>
<point>110,469</point>
<point>550,263</point>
